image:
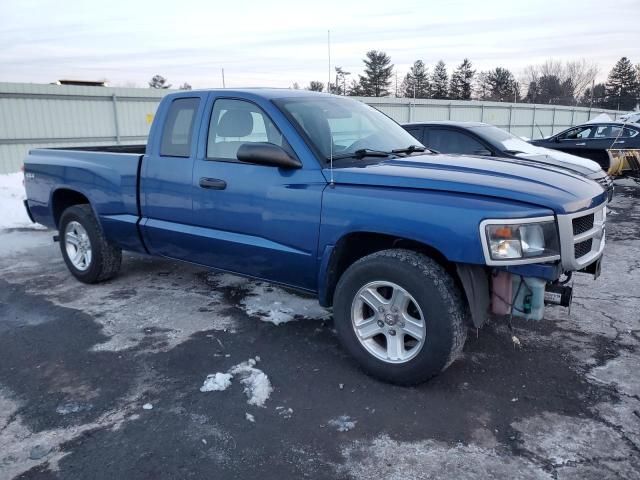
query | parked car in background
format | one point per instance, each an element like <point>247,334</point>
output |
<point>482,139</point>
<point>614,145</point>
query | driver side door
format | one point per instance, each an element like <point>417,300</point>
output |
<point>256,220</point>
<point>575,141</point>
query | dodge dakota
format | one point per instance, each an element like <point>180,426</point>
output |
<point>328,195</point>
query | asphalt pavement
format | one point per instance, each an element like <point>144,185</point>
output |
<point>105,381</point>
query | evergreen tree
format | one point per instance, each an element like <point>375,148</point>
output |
<point>440,81</point>
<point>416,83</point>
<point>315,86</point>
<point>340,87</point>
<point>596,98</point>
<point>622,86</point>
<point>158,81</point>
<point>355,89</point>
<point>185,86</point>
<point>462,81</point>
<point>482,87</point>
<point>377,74</point>
<point>502,85</point>
<point>550,89</point>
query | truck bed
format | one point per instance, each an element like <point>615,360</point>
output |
<point>136,149</point>
<point>107,176</point>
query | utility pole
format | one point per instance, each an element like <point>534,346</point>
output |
<point>223,84</point>
<point>396,83</point>
<point>329,57</point>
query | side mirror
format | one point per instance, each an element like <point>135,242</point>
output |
<point>483,152</point>
<point>263,153</point>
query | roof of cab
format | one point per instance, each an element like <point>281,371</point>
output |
<point>446,122</point>
<point>267,93</point>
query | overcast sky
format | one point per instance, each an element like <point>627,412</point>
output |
<point>276,43</point>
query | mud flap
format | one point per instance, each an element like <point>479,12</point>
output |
<point>475,282</point>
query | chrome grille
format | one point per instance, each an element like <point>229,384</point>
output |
<point>583,224</point>
<point>582,237</point>
<point>581,249</point>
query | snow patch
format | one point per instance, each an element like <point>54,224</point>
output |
<point>250,417</point>
<point>621,372</point>
<point>257,386</point>
<point>285,413</point>
<point>147,406</point>
<point>561,439</point>
<point>430,459</point>
<point>216,382</point>
<point>275,305</point>
<point>343,423</point>
<point>11,196</point>
<point>72,407</point>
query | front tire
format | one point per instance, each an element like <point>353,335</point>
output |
<point>87,253</point>
<point>401,315</point>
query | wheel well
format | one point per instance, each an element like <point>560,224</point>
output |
<point>63,199</point>
<point>354,246</point>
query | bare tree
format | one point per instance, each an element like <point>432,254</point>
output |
<point>557,82</point>
<point>582,75</point>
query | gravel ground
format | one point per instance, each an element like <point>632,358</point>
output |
<point>105,381</point>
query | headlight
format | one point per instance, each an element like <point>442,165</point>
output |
<point>523,241</point>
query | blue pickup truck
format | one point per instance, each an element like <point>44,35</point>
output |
<point>328,195</point>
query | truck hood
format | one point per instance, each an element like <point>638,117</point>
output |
<point>576,164</point>
<point>513,180</point>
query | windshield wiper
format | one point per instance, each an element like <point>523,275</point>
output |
<point>363,152</point>
<point>413,149</point>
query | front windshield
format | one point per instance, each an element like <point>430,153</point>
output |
<point>342,126</point>
<point>508,141</point>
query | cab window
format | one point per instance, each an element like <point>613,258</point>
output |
<point>234,122</point>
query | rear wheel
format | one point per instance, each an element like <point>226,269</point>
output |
<point>401,315</point>
<point>87,253</point>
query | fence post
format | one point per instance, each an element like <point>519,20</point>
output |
<point>510,115</point>
<point>449,110</point>
<point>114,102</point>
<point>553,121</point>
<point>573,112</point>
<point>482,113</point>
<point>533,122</point>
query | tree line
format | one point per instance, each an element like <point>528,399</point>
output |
<point>553,83</point>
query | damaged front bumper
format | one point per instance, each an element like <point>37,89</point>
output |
<point>523,290</point>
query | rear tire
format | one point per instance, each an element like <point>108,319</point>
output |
<point>88,255</point>
<point>401,315</point>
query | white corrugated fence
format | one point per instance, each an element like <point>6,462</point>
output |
<point>34,115</point>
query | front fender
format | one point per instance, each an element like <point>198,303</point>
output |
<point>444,221</point>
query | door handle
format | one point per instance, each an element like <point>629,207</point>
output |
<point>213,183</point>
<point>619,141</point>
<point>580,144</point>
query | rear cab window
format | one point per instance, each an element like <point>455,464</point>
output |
<point>177,132</point>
